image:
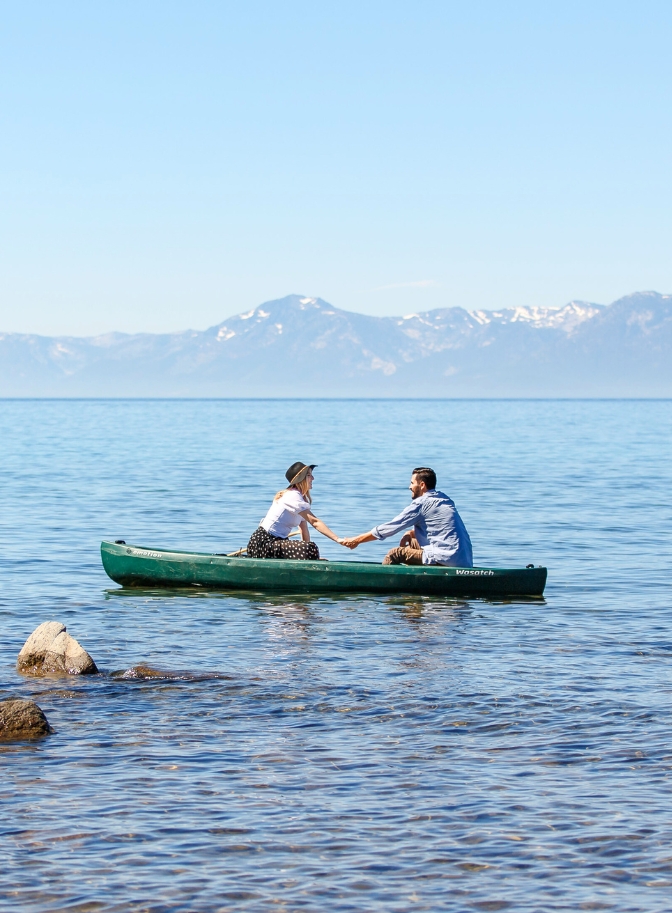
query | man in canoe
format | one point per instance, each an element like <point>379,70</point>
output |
<point>438,536</point>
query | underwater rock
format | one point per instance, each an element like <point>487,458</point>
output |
<point>21,720</point>
<point>51,649</point>
<point>141,672</point>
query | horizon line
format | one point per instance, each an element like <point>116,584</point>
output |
<point>331,399</point>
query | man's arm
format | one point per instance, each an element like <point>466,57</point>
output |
<point>406,518</point>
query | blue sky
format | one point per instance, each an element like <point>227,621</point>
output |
<point>167,164</point>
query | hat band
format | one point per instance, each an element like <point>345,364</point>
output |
<point>296,479</point>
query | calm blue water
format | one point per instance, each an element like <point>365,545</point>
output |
<point>354,754</point>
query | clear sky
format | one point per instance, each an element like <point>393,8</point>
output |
<point>164,165</point>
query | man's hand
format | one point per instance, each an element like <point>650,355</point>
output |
<point>354,541</point>
<point>407,539</point>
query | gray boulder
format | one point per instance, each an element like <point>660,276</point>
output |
<point>33,651</point>
<point>21,720</point>
<point>50,649</point>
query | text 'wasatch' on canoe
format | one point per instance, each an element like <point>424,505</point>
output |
<point>132,565</point>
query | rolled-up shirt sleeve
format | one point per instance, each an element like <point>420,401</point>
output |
<point>406,518</point>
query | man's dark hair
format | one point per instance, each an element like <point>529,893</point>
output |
<point>428,476</point>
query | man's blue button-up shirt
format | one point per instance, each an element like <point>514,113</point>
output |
<point>438,528</point>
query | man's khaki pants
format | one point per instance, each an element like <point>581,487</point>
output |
<point>404,554</point>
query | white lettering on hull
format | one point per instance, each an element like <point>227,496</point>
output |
<point>469,573</point>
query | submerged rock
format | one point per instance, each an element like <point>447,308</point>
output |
<point>143,673</point>
<point>21,719</point>
<point>51,649</point>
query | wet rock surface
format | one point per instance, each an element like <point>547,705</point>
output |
<point>143,672</point>
<point>50,649</point>
<point>20,719</point>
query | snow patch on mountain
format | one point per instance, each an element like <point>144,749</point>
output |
<point>566,318</point>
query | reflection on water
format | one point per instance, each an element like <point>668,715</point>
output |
<point>357,753</point>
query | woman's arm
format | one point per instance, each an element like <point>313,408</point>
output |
<point>319,526</point>
<point>305,535</point>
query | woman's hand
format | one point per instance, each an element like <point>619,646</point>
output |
<point>349,542</point>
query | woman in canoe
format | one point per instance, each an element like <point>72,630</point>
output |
<point>291,507</point>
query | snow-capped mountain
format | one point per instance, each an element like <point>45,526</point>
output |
<point>301,346</point>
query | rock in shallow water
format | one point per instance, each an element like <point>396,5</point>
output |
<point>149,672</point>
<point>21,720</point>
<point>141,672</point>
<point>51,649</point>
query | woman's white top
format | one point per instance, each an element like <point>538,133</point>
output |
<point>285,514</point>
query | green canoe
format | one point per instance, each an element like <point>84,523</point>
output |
<point>133,565</point>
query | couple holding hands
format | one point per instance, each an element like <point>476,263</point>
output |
<point>438,535</point>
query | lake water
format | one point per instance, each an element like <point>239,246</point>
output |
<point>342,754</point>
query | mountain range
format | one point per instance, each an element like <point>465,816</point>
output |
<point>305,347</point>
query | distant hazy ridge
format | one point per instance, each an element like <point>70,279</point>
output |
<point>299,346</point>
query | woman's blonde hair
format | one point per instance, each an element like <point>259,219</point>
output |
<point>301,487</point>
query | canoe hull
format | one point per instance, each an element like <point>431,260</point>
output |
<point>132,565</point>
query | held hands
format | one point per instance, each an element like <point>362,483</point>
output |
<point>349,542</point>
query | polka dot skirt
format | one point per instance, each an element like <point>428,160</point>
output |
<point>264,545</point>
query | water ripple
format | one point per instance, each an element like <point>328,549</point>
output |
<point>255,752</point>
